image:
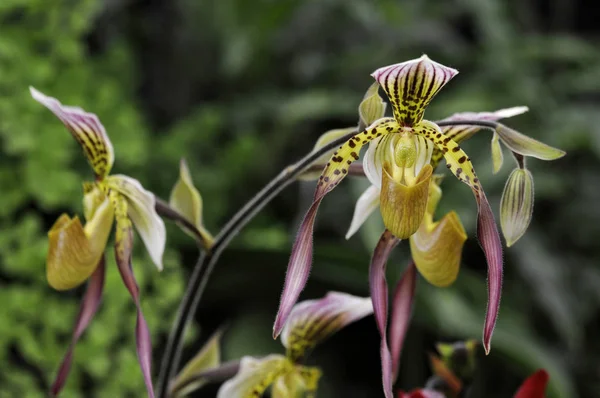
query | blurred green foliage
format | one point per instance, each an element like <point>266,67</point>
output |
<point>242,89</point>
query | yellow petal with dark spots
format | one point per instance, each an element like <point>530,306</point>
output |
<point>436,249</point>
<point>402,206</point>
<point>255,376</point>
<point>86,129</point>
<point>323,140</point>
<point>74,251</point>
<point>411,86</point>
<point>337,167</point>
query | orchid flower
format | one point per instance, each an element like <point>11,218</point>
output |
<point>76,251</point>
<point>403,152</point>
<point>310,323</point>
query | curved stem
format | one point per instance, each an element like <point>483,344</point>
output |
<point>208,259</point>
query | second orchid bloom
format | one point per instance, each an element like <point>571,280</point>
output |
<point>403,152</point>
<point>76,251</point>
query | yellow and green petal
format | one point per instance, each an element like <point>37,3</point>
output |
<point>208,357</point>
<point>74,251</point>
<point>411,86</point>
<point>403,206</point>
<point>312,321</point>
<point>86,129</point>
<point>372,107</point>
<point>186,200</point>
<point>255,376</point>
<point>527,146</point>
<point>301,383</point>
<point>141,210</point>
<point>487,232</point>
<point>497,155</point>
<point>437,249</point>
<point>516,205</point>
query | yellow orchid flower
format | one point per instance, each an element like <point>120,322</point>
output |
<point>76,251</point>
<point>310,323</point>
<point>403,151</point>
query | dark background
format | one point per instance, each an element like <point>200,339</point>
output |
<point>242,89</point>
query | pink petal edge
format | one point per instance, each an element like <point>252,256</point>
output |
<point>489,240</point>
<point>401,314</point>
<point>142,334</point>
<point>89,305</point>
<point>298,268</point>
<point>379,296</point>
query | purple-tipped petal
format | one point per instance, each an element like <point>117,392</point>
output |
<point>489,239</point>
<point>89,306</point>
<point>401,313</point>
<point>313,321</point>
<point>379,296</point>
<point>298,268</point>
<point>123,249</point>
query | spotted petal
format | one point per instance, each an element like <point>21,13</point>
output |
<point>460,133</point>
<point>323,140</point>
<point>301,257</point>
<point>313,321</point>
<point>379,295</point>
<point>141,210</point>
<point>87,310</point>
<point>460,165</point>
<point>74,251</point>
<point>86,129</point>
<point>123,249</point>
<point>411,86</point>
<point>255,376</point>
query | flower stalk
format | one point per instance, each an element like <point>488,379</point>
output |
<point>208,258</point>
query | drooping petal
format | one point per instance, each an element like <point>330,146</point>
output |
<point>437,249</point>
<point>312,321</point>
<point>527,146</point>
<point>141,210</point>
<point>402,304</point>
<point>460,165</point>
<point>534,386</point>
<point>208,357</point>
<point>497,155</point>
<point>371,108</point>
<point>301,257</point>
<point>123,249</point>
<point>74,251</point>
<point>323,140</point>
<point>379,296</point>
<point>337,167</point>
<point>302,383</point>
<point>460,133</point>
<point>86,129</point>
<point>89,306</point>
<point>255,376</point>
<point>403,207</point>
<point>186,200</point>
<point>516,205</point>
<point>365,205</point>
<point>411,86</point>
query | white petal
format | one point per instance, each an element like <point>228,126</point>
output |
<point>254,374</point>
<point>143,214</point>
<point>374,158</point>
<point>365,205</point>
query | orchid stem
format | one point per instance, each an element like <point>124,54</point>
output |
<point>208,258</point>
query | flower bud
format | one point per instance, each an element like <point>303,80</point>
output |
<point>516,205</point>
